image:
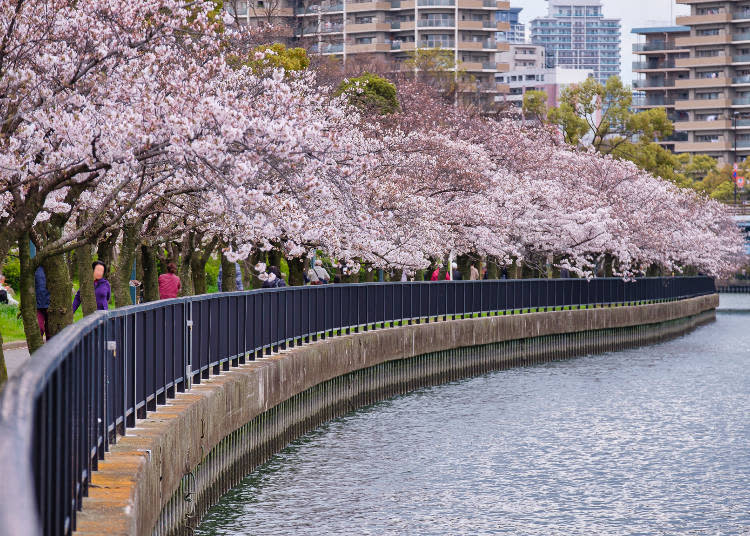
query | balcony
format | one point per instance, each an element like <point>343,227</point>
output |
<point>651,83</point>
<point>708,61</point>
<point>368,27</point>
<point>741,15</point>
<point>470,45</point>
<point>677,136</point>
<point>369,48</point>
<point>436,23</point>
<point>699,40</point>
<point>314,10</point>
<point>719,124</point>
<point>694,20</point>
<point>742,58</point>
<point>653,65</point>
<point>324,29</point>
<point>355,7</point>
<point>399,45</point>
<point>745,36</point>
<point>402,25</point>
<point>702,147</point>
<point>741,101</point>
<point>702,104</point>
<point>687,83</point>
<point>328,48</point>
<point>740,80</point>
<point>444,43</point>
<point>470,24</point>
<point>436,3</point>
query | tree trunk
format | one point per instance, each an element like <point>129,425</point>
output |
<point>228,274</point>
<point>274,258</point>
<point>60,312</point>
<point>296,271</point>
<point>85,279</point>
<point>124,265</point>
<point>150,273</point>
<point>106,250</point>
<point>198,266</point>
<point>28,296</point>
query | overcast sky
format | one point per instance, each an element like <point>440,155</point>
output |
<point>634,14</point>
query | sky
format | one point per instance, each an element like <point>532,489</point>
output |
<point>633,14</point>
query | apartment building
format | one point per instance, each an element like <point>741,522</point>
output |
<point>517,31</point>
<point>577,36</point>
<point>714,105</point>
<point>660,82</point>
<point>394,29</point>
<point>529,71</point>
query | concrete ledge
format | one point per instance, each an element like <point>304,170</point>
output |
<point>144,470</point>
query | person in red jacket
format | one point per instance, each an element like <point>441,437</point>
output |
<point>169,283</point>
<point>436,274</point>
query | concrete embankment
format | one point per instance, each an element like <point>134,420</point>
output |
<point>161,478</point>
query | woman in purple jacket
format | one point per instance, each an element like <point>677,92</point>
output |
<point>101,288</point>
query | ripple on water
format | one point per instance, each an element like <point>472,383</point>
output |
<point>645,441</point>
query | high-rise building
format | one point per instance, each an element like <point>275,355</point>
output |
<point>394,29</point>
<point>715,103</point>
<point>517,31</point>
<point>577,36</point>
<point>661,82</point>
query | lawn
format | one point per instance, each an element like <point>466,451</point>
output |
<point>10,325</point>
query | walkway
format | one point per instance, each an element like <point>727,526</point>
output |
<point>14,359</point>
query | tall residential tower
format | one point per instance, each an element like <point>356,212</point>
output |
<point>577,36</point>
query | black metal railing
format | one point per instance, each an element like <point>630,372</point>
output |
<point>91,382</point>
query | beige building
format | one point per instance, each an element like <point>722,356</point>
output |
<point>661,82</point>
<point>710,69</point>
<point>394,29</point>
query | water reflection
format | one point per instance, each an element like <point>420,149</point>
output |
<point>648,441</point>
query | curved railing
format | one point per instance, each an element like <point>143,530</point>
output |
<point>91,382</point>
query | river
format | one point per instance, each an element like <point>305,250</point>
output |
<point>654,440</point>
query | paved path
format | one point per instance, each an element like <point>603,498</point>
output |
<point>14,359</point>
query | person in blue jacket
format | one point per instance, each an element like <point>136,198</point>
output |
<point>42,299</point>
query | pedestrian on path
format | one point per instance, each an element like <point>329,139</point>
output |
<point>6,292</point>
<point>102,290</point>
<point>317,274</point>
<point>436,274</point>
<point>169,283</point>
<point>42,299</point>
<point>473,273</point>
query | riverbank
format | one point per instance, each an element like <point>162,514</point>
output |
<point>229,424</point>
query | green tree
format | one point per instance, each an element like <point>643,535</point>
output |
<point>438,68</point>
<point>604,113</point>
<point>275,56</point>
<point>370,92</point>
<point>535,105</point>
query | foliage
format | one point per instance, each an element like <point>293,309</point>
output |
<point>370,92</point>
<point>278,56</point>
<point>436,67</point>
<point>535,105</point>
<point>11,269</point>
<point>603,113</point>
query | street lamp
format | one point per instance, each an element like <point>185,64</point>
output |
<point>734,120</point>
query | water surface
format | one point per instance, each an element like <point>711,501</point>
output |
<point>654,440</point>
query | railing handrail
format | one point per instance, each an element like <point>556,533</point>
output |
<point>215,331</point>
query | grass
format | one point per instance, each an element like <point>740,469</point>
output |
<point>10,325</point>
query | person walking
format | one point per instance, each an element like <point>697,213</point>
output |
<point>102,290</point>
<point>436,273</point>
<point>42,299</point>
<point>169,283</point>
<point>473,273</point>
<point>320,273</point>
<point>455,275</point>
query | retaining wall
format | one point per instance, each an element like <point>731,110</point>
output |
<point>162,477</point>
